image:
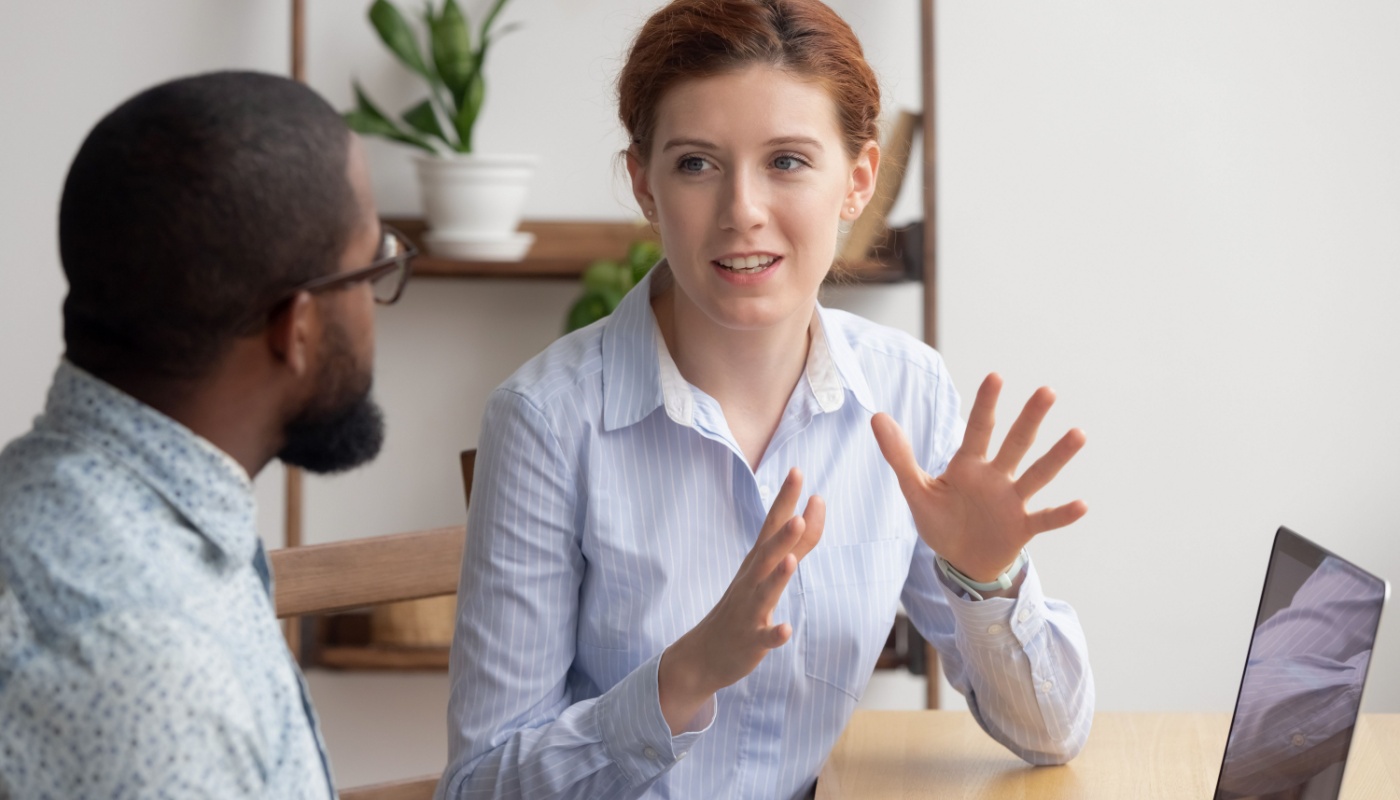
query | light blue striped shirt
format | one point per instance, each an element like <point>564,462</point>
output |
<point>612,508</point>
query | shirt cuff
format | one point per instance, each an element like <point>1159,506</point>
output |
<point>998,622</point>
<point>634,730</point>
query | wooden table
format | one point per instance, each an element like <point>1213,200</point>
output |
<point>889,755</point>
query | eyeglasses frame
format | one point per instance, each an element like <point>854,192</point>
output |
<point>379,267</point>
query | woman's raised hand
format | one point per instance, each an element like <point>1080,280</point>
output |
<point>738,632</point>
<point>974,514</point>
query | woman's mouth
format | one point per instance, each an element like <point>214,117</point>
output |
<point>748,265</point>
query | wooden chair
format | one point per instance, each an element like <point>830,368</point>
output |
<point>339,576</point>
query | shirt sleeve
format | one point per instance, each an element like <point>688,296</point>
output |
<point>140,704</point>
<point>515,727</point>
<point>1022,662</point>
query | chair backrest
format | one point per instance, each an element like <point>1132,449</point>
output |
<point>323,578</point>
<point>326,578</point>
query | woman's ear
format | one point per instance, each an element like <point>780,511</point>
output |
<point>289,333</point>
<point>861,187</point>
<point>641,183</point>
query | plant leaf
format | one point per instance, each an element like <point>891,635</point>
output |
<point>452,50</point>
<point>424,119</point>
<point>490,20</point>
<point>603,275</point>
<point>587,310</point>
<point>641,256</point>
<point>465,121</point>
<point>396,34</point>
<point>367,119</point>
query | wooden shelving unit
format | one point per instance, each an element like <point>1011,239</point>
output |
<point>563,250</point>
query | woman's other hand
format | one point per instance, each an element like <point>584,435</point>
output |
<point>974,515</point>
<point>738,632</point>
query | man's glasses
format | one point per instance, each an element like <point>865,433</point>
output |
<point>386,275</point>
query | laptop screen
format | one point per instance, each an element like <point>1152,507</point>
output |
<point>1307,663</point>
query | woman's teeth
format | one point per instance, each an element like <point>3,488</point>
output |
<point>747,263</point>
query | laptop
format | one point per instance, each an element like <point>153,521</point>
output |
<point>1307,663</point>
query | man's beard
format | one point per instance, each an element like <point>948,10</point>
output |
<point>342,427</point>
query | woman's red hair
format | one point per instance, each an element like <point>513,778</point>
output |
<point>691,39</point>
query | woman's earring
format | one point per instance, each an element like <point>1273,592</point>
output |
<point>852,209</point>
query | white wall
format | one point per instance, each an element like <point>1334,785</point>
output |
<point>1186,218</point>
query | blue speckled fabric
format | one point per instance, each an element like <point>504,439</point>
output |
<point>139,652</point>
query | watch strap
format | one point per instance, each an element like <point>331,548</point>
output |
<point>976,588</point>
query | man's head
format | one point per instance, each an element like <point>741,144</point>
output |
<point>192,216</point>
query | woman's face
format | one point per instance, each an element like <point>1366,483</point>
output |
<point>747,180</point>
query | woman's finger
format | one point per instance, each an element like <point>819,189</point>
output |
<point>784,505</point>
<point>1045,468</point>
<point>895,447</point>
<point>1058,517</point>
<point>815,518</point>
<point>770,589</point>
<point>1023,431</point>
<point>983,418</point>
<point>777,636</point>
<point>767,554</point>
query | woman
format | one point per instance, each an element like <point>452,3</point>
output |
<point>643,610</point>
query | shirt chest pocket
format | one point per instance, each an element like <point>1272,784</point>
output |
<point>849,597</point>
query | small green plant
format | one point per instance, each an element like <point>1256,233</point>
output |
<point>605,282</point>
<point>451,63</point>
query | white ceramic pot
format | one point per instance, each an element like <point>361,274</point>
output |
<point>473,204</point>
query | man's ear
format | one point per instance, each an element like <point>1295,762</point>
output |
<point>861,187</point>
<point>289,333</point>
<point>641,184</point>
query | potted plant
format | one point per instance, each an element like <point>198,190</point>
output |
<point>472,202</point>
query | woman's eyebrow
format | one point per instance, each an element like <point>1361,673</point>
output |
<point>774,142</point>
<point>701,143</point>
<point>804,140</point>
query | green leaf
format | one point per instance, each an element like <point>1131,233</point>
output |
<point>424,119</point>
<point>490,19</point>
<point>452,50</point>
<point>641,256</point>
<point>587,310</point>
<point>603,275</point>
<point>396,34</point>
<point>469,109</point>
<point>611,297</point>
<point>367,119</point>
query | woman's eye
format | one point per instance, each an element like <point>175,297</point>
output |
<point>692,164</point>
<point>787,163</point>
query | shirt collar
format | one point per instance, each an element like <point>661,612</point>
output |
<point>203,483</point>
<point>639,374</point>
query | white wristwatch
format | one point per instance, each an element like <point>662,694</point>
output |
<point>975,588</point>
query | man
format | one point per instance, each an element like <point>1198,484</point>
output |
<point>223,255</point>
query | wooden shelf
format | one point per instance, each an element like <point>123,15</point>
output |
<point>342,642</point>
<point>378,657</point>
<point>563,250</point>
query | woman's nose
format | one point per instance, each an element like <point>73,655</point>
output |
<point>745,207</point>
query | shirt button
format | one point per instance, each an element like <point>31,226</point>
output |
<point>682,754</point>
<point>650,753</point>
<point>1047,686</point>
<point>765,492</point>
<point>1299,740</point>
<point>1024,615</point>
<point>994,628</point>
